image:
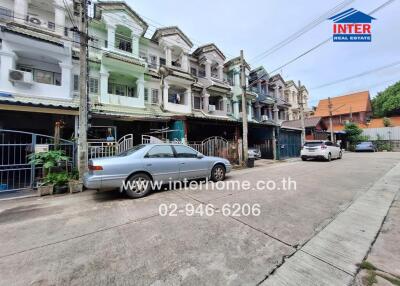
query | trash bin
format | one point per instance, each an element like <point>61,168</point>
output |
<point>250,162</point>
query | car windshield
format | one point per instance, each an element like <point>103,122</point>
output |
<point>131,151</point>
<point>365,143</point>
<point>313,144</point>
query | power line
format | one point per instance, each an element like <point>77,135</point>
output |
<point>302,31</point>
<point>71,18</point>
<point>328,40</point>
<point>318,45</point>
<point>358,75</point>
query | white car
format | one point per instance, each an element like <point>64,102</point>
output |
<point>321,149</point>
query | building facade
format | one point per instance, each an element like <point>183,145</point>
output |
<point>137,84</point>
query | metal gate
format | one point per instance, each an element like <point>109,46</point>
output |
<point>217,146</point>
<point>16,173</point>
<point>289,143</point>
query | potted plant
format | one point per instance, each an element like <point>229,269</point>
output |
<point>45,188</point>
<point>59,180</point>
<point>74,185</point>
<point>50,160</point>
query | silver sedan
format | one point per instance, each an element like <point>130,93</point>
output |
<point>144,167</point>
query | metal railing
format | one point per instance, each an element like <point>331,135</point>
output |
<point>101,149</point>
<point>125,143</point>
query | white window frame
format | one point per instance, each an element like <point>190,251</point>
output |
<point>94,88</point>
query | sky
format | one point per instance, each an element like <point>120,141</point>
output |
<point>257,25</point>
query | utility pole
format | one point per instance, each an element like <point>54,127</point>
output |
<point>330,118</point>
<point>83,98</point>
<point>301,102</point>
<point>244,107</point>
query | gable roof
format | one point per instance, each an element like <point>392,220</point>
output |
<point>290,83</point>
<point>277,77</point>
<point>169,31</point>
<point>119,6</point>
<point>236,61</point>
<point>308,122</point>
<point>209,48</point>
<point>345,104</point>
<point>352,16</point>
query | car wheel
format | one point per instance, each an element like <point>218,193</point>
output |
<point>340,155</point>
<point>329,157</point>
<point>218,173</point>
<point>304,158</point>
<point>138,186</point>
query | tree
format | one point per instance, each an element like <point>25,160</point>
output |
<point>387,102</point>
<point>353,133</point>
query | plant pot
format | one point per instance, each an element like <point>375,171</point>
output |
<point>60,189</point>
<point>45,190</point>
<point>75,186</point>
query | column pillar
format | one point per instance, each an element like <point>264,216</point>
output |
<point>135,45</point>
<point>111,37</point>
<point>276,113</point>
<point>221,72</point>
<point>20,10</point>
<point>270,113</point>
<point>165,99</point>
<point>7,60</point>
<point>66,77</point>
<point>168,56</point>
<point>207,65</point>
<point>236,109</point>
<point>59,19</point>
<point>259,86</point>
<point>249,111</point>
<point>140,89</point>
<point>258,112</point>
<point>206,97</point>
<point>104,98</point>
<point>224,104</point>
<point>184,62</point>
<point>188,99</point>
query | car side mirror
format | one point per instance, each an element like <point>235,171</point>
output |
<point>199,156</point>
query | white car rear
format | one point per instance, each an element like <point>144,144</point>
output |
<point>321,149</point>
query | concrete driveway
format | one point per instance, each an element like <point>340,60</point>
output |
<point>104,238</point>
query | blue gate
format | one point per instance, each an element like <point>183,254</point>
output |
<point>289,143</point>
<point>16,173</point>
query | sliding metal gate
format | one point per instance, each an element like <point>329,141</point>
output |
<point>16,173</point>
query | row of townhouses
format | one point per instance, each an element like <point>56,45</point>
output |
<point>160,85</point>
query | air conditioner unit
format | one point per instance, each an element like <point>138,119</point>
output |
<point>34,20</point>
<point>20,76</point>
<point>264,117</point>
<point>211,108</point>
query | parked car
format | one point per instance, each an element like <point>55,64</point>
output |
<point>146,163</point>
<point>254,153</point>
<point>366,146</point>
<point>321,149</point>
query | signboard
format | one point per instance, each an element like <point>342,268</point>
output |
<point>41,148</point>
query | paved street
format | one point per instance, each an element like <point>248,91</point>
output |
<point>104,238</point>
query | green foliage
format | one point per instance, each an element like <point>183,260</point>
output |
<point>387,122</point>
<point>353,133</point>
<point>367,265</point>
<point>48,159</point>
<point>381,144</point>
<point>387,102</point>
<point>58,179</point>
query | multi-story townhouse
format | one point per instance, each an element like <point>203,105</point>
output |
<point>37,66</point>
<point>264,105</point>
<point>233,77</point>
<point>277,87</point>
<point>292,95</point>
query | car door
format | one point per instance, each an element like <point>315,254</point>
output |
<point>161,163</point>
<point>332,149</point>
<point>191,166</point>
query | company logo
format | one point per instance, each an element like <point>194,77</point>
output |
<point>352,26</point>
